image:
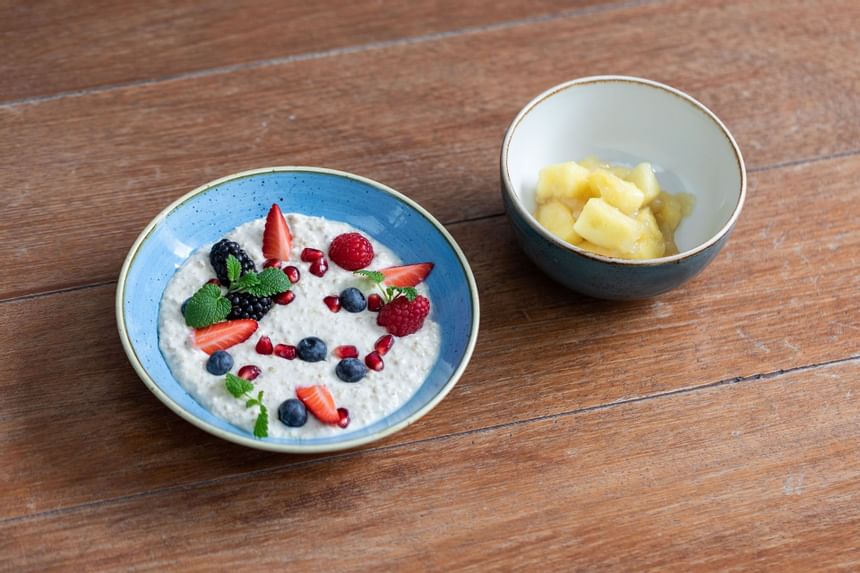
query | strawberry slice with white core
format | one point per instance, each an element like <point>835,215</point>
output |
<point>277,238</point>
<point>320,402</point>
<point>406,275</point>
<point>223,335</point>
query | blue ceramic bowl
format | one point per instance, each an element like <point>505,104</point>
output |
<point>624,120</point>
<point>205,214</point>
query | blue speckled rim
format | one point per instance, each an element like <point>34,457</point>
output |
<point>508,186</point>
<point>262,444</point>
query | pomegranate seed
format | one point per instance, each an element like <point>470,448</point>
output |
<point>348,351</point>
<point>287,351</point>
<point>319,267</point>
<point>264,345</point>
<point>285,297</point>
<point>310,255</point>
<point>374,361</point>
<point>249,372</point>
<point>384,344</point>
<point>344,417</point>
<point>215,282</point>
<point>272,264</point>
<point>293,274</point>
<point>333,303</point>
<point>374,302</point>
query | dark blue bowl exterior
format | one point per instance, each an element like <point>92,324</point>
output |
<point>605,279</point>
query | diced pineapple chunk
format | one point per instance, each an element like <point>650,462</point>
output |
<point>606,226</point>
<point>643,177</point>
<point>559,221</point>
<point>668,211</point>
<point>562,180</point>
<point>649,222</point>
<point>599,250</point>
<point>617,192</point>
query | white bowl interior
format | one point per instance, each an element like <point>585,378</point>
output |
<point>626,121</point>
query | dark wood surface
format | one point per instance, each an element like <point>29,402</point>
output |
<point>715,427</point>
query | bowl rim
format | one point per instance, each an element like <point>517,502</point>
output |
<point>508,187</point>
<point>236,438</point>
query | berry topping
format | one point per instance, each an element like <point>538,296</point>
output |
<point>319,267</point>
<point>293,274</point>
<point>351,251</point>
<point>374,361</point>
<point>273,264</point>
<point>402,317</point>
<point>287,351</point>
<point>249,372</point>
<point>245,305</point>
<point>383,344</point>
<point>223,335</point>
<point>350,370</point>
<point>285,297</point>
<point>332,302</point>
<point>277,238</point>
<point>374,302</point>
<point>348,351</point>
<point>310,255</point>
<point>218,257</point>
<point>353,300</point>
<point>320,402</point>
<point>264,345</point>
<point>406,275</point>
<point>293,413</point>
<point>343,413</point>
<point>219,363</point>
<point>312,349</point>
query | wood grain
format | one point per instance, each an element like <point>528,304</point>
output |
<point>765,69</point>
<point>760,475</point>
<point>542,351</point>
<point>58,45</point>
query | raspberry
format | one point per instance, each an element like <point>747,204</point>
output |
<point>351,251</point>
<point>401,317</point>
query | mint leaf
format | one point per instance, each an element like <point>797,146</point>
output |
<point>374,276</point>
<point>269,283</point>
<point>206,307</point>
<point>237,386</point>
<point>245,282</point>
<point>250,403</point>
<point>234,268</point>
<point>261,427</point>
<point>411,293</point>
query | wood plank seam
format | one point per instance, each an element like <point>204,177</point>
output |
<point>758,169</point>
<point>335,52</point>
<point>761,377</point>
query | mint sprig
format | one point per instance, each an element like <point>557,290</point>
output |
<point>206,307</point>
<point>241,388</point>
<point>267,283</point>
<point>389,293</point>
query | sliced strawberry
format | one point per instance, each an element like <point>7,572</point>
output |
<point>277,238</point>
<point>223,335</point>
<point>406,275</point>
<point>320,402</point>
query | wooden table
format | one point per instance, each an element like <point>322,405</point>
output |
<point>715,427</point>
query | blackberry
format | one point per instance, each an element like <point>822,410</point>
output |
<point>218,257</point>
<point>246,305</point>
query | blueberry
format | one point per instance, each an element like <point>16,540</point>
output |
<point>350,370</point>
<point>293,413</point>
<point>219,363</point>
<point>312,349</point>
<point>352,300</point>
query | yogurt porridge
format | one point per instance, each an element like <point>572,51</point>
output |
<point>297,326</point>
